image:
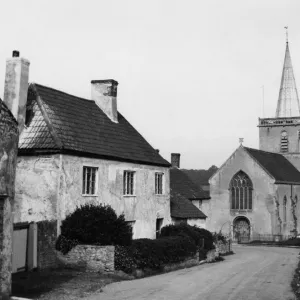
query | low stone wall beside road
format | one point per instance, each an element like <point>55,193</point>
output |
<point>92,258</point>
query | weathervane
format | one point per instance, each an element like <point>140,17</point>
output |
<point>241,140</point>
<point>286,33</point>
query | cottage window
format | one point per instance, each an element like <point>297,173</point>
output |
<point>284,142</point>
<point>159,183</point>
<point>89,180</point>
<point>128,183</point>
<point>241,192</point>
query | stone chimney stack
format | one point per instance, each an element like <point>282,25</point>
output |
<point>16,87</point>
<point>175,160</point>
<point>104,93</point>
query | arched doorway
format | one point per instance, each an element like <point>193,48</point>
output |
<point>241,230</point>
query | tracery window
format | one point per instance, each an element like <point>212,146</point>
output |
<point>241,191</point>
<point>284,142</point>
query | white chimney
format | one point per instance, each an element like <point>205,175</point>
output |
<point>16,87</point>
<point>104,93</point>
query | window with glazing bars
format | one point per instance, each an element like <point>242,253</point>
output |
<point>128,183</point>
<point>159,183</point>
<point>89,180</point>
<point>241,191</point>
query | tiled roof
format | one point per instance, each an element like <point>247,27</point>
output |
<point>184,209</point>
<point>59,121</point>
<point>183,190</point>
<point>279,167</point>
<point>183,185</point>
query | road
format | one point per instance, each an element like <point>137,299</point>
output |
<point>262,273</point>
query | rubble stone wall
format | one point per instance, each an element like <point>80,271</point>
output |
<point>93,258</point>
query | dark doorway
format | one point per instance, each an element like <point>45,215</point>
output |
<point>241,230</point>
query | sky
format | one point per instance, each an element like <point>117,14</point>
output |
<point>191,73</point>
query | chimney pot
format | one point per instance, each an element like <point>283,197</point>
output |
<point>15,53</point>
<point>175,160</point>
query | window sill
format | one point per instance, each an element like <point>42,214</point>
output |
<point>126,196</point>
<point>87,195</point>
<point>159,195</point>
<point>241,210</point>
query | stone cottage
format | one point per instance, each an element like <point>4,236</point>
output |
<point>187,199</point>
<point>74,151</point>
<point>256,191</point>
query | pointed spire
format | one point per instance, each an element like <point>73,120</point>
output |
<point>288,101</point>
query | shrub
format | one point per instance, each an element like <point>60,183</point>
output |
<point>124,259</point>
<point>219,237</point>
<point>94,225</point>
<point>153,254</point>
<point>194,232</point>
<point>64,245</point>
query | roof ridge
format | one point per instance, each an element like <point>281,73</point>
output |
<point>56,90</point>
<point>50,126</point>
<point>263,151</point>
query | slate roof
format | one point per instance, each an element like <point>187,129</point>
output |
<point>183,190</point>
<point>183,185</point>
<point>183,208</point>
<point>69,124</point>
<point>279,167</point>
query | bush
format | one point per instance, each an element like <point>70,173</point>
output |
<point>124,259</point>
<point>94,225</point>
<point>153,254</point>
<point>194,232</point>
<point>219,237</point>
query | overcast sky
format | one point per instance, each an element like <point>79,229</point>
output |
<point>190,72</point>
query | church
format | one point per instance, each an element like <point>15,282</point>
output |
<point>257,191</point>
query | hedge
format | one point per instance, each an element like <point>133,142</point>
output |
<point>194,232</point>
<point>153,254</point>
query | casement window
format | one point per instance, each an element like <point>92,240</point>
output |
<point>241,192</point>
<point>128,183</point>
<point>284,142</point>
<point>89,180</point>
<point>159,183</point>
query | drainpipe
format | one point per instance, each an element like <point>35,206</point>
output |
<point>58,212</point>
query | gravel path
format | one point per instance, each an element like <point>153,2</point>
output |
<point>254,272</point>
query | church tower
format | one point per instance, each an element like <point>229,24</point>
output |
<point>282,133</point>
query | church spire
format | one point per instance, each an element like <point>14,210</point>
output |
<point>288,101</point>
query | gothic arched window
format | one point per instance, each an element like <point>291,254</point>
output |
<point>241,191</point>
<point>284,142</point>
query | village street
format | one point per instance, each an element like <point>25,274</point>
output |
<point>253,272</point>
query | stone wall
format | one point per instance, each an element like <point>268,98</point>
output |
<point>92,258</point>
<point>46,238</point>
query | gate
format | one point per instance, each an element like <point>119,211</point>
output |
<point>241,230</point>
